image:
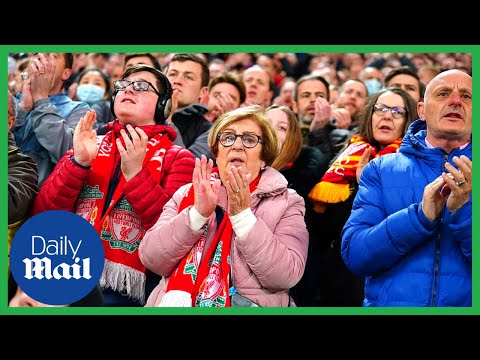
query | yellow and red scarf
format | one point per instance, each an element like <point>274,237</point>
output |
<point>119,227</point>
<point>334,187</point>
<point>205,278</point>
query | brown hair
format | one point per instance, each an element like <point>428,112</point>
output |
<point>365,117</point>
<point>293,142</point>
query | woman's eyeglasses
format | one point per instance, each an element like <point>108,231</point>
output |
<point>227,139</point>
<point>397,111</point>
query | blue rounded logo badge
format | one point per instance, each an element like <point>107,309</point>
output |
<point>57,257</point>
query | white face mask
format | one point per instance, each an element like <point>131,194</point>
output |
<point>90,93</point>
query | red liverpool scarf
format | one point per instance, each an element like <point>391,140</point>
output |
<point>119,227</point>
<point>334,187</point>
<point>203,280</point>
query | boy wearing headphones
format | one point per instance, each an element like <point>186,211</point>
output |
<point>120,183</point>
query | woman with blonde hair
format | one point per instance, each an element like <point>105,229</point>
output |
<point>302,166</point>
<point>236,230</point>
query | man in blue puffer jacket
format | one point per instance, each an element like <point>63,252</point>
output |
<point>410,230</point>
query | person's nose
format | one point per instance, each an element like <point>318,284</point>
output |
<point>238,143</point>
<point>129,88</point>
<point>455,98</point>
<point>388,115</point>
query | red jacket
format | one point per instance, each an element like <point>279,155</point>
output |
<point>60,191</point>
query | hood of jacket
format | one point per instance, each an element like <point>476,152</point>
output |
<point>414,143</point>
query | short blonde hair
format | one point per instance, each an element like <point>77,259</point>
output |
<point>270,148</point>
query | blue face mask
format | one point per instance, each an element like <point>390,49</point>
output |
<point>373,85</point>
<point>90,93</point>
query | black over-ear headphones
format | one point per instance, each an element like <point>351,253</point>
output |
<point>164,102</point>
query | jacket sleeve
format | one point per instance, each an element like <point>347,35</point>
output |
<point>61,189</point>
<point>148,197</point>
<point>22,185</point>
<point>200,146</point>
<point>460,225</point>
<point>48,125</point>
<point>373,242</point>
<point>167,242</point>
<point>278,257</point>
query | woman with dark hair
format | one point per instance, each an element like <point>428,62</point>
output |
<point>94,89</point>
<point>381,127</point>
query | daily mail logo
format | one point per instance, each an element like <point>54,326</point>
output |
<point>57,257</point>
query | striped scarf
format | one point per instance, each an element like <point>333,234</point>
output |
<point>334,187</point>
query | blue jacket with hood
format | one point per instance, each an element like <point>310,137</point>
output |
<point>407,259</point>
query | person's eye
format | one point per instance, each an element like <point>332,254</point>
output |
<point>229,137</point>
<point>248,139</point>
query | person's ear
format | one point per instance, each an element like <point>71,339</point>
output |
<point>421,110</point>
<point>295,107</point>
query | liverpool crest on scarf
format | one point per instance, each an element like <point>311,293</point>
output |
<point>202,279</point>
<point>119,227</point>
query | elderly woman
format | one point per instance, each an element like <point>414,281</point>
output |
<point>237,229</point>
<point>381,127</point>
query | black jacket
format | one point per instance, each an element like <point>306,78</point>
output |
<point>194,129</point>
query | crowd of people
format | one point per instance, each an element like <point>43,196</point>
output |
<point>252,179</point>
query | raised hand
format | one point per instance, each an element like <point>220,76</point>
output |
<point>459,183</point>
<point>323,113</point>
<point>174,106</point>
<point>85,139</point>
<point>206,193</point>
<point>238,190</point>
<point>364,159</point>
<point>343,117</point>
<point>26,103</point>
<point>133,154</point>
<point>433,199</point>
<point>42,69</point>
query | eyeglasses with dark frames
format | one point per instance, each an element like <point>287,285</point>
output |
<point>227,139</point>
<point>398,112</point>
<point>138,85</point>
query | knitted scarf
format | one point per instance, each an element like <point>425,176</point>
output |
<point>119,227</point>
<point>334,187</point>
<point>203,281</point>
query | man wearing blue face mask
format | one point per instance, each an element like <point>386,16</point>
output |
<point>94,89</point>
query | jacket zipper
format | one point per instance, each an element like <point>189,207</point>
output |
<point>436,264</point>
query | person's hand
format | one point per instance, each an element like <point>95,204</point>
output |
<point>433,200</point>
<point>364,159</point>
<point>238,190</point>
<point>206,193</point>
<point>175,94</point>
<point>322,114</point>
<point>458,188</point>
<point>342,117</point>
<point>26,103</point>
<point>133,154</point>
<point>223,103</point>
<point>42,70</point>
<point>85,139</point>
<point>284,100</point>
